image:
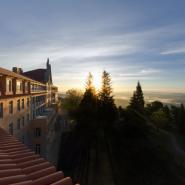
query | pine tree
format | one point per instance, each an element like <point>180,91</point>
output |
<point>107,107</point>
<point>137,101</point>
<point>133,101</point>
<point>89,83</point>
<point>88,106</point>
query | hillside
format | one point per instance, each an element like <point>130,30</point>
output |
<point>131,153</point>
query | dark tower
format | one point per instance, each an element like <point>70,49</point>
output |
<point>49,75</point>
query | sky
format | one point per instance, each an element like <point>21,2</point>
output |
<point>131,39</point>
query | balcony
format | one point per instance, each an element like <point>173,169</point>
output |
<point>45,117</point>
<point>37,88</point>
<point>47,113</point>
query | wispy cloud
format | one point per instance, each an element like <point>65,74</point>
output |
<point>174,51</point>
<point>142,73</point>
<point>97,51</point>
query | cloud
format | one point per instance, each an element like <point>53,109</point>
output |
<point>3,55</point>
<point>125,53</point>
<point>94,51</point>
<point>142,73</point>
<point>99,44</point>
<point>180,50</point>
<point>149,71</point>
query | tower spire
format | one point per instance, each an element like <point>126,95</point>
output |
<point>47,61</point>
<point>49,75</point>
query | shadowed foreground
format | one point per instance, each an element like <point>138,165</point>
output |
<point>130,155</point>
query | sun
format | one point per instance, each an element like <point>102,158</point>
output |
<point>97,79</point>
<point>97,82</point>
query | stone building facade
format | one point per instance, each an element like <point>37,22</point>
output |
<point>28,105</point>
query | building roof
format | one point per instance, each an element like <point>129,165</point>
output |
<point>16,75</point>
<point>21,166</point>
<point>37,74</point>
<point>41,75</point>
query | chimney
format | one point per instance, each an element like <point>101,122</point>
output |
<point>17,70</point>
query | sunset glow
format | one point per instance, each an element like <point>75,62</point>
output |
<point>83,36</point>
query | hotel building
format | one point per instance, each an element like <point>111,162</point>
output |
<point>28,105</point>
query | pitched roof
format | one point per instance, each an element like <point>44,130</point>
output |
<point>37,74</point>
<point>16,75</point>
<point>21,166</point>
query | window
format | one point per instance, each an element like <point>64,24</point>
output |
<point>37,132</point>
<point>32,87</point>
<point>1,110</point>
<point>33,114</point>
<point>19,86</point>
<point>26,86</point>
<point>22,103</point>
<point>37,112</point>
<point>28,102</point>
<point>23,121</point>
<point>11,107</point>
<point>18,124</point>
<point>9,85</point>
<point>28,117</point>
<point>18,105</point>
<point>37,148</point>
<point>11,128</point>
